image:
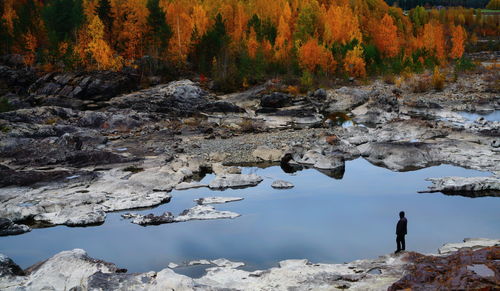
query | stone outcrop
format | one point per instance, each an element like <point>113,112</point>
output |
<point>204,212</point>
<point>150,219</point>
<point>216,200</point>
<point>280,184</point>
<point>235,181</point>
<point>7,227</point>
<point>465,269</point>
<point>78,90</point>
<point>470,243</point>
<point>467,186</point>
<point>267,154</point>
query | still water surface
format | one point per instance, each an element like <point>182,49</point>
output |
<point>321,219</point>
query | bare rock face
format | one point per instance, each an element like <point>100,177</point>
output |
<point>73,89</point>
<point>467,186</point>
<point>402,156</point>
<point>466,269</point>
<point>267,154</point>
<point>74,216</point>
<point>8,268</point>
<point>472,243</point>
<point>7,227</point>
<point>150,219</point>
<point>280,184</point>
<point>204,212</point>
<point>235,181</point>
<point>216,200</point>
<point>64,271</point>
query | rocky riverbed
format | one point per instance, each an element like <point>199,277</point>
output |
<point>473,264</point>
<point>74,147</point>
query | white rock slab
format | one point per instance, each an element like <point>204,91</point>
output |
<point>280,184</point>
<point>204,212</point>
<point>474,243</point>
<point>235,181</point>
<point>216,200</point>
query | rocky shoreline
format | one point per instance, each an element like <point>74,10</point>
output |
<point>108,147</point>
<point>473,264</point>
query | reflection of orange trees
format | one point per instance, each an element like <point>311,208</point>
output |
<point>313,57</point>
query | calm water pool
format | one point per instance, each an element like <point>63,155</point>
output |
<point>321,219</point>
<point>493,116</point>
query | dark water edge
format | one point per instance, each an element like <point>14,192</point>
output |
<point>321,219</point>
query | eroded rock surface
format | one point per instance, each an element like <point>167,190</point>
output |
<point>216,200</point>
<point>7,227</point>
<point>235,181</point>
<point>280,184</point>
<point>467,186</point>
<point>466,269</point>
<point>463,269</point>
<point>204,212</point>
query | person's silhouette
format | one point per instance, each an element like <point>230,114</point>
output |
<point>401,232</point>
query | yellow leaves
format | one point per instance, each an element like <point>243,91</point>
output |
<point>132,20</point>
<point>433,39</point>
<point>354,64</point>
<point>200,20</point>
<point>385,36</point>
<point>179,19</point>
<point>99,49</point>
<point>341,25</point>
<point>458,37</point>
<point>313,57</point>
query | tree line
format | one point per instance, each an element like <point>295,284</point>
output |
<point>238,41</point>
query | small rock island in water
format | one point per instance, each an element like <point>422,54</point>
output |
<point>249,145</point>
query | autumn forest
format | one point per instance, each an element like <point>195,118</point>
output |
<point>239,41</point>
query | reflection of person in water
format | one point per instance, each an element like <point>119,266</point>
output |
<point>401,232</point>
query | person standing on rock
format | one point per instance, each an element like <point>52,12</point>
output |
<point>401,232</point>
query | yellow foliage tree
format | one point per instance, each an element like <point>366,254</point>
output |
<point>179,19</point>
<point>341,25</point>
<point>99,49</point>
<point>354,64</point>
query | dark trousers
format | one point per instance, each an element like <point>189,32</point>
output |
<point>400,241</point>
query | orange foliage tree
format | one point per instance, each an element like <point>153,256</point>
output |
<point>458,39</point>
<point>313,56</point>
<point>341,25</point>
<point>181,22</point>
<point>385,36</point>
<point>131,27</point>
<point>354,64</point>
<point>433,39</point>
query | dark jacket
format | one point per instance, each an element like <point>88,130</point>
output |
<point>401,227</point>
